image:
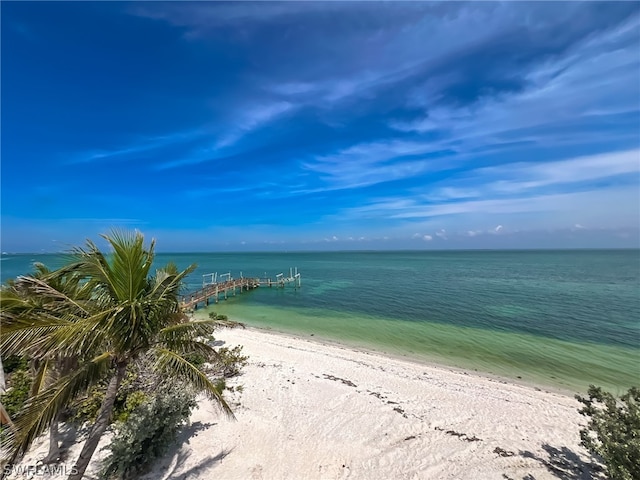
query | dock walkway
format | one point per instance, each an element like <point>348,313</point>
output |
<point>215,290</point>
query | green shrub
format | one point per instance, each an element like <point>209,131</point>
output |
<point>613,431</point>
<point>216,316</point>
<point>86,409</point>
<point>15,362</point>
<point>147,432</point>
<point>18,392</point>
<point>221,385</point>
<point>133,401</point>
<point>197,359</point>
<point>231,361</point>
<point>136,382</point>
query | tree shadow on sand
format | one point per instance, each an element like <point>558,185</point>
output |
<point>176,457</point>
<point>564,463</point>
<point>190,431</point>
<point>203,465</point>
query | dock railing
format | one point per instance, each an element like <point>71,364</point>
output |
<point>215,287</point>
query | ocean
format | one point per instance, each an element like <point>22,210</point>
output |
<point>563,319</point>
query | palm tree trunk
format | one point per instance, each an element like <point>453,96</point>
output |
<point>54,443</point>
<point>102,422</point>
<point>3,385</point>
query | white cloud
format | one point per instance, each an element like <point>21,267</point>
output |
<point>573,170</point>
<point>372,163</point>
<point>498,228</point>
<point>563,91</point>
<point>613,206</point>
<point>427,238</point>
<point>253,118</point>
<point>144,144</point>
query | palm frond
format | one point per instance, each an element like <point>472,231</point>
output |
<point>40,379</point>
<point>47,293</point>
<point>79,338</point>
<point>26,334</point>
<point>184,347</point>
<point>166,288</point>
<point>131,263</point>
<point>12,304</point>
<point>39,411</point>
<point>173,365</point>
<point>191,329</point>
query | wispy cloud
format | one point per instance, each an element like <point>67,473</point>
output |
<point>372,119</point>
<point>525,194</point>
<point>146,144</point>
<point>518,177</point>
<point>558,95</point>
<point>598,203</point>
<point>368,164</point>
<point>252,118</point>
<point>524,177</point>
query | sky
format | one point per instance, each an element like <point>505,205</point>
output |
<point>245,126</point>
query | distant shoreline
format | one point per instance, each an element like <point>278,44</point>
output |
<point>408,250</point>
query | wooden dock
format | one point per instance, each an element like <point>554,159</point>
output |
<point>213,290</point>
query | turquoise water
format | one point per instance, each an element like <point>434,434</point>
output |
<point>558,318</point>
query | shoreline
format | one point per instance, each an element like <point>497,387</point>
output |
<point>549,363</point>
<point>434,361</point>
<point>306,409</point>
<point>418,361</point>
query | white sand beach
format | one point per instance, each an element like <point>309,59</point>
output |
<point>308,410</point>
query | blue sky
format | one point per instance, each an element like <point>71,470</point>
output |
<point>312,126</point>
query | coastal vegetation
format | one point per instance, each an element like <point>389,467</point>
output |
<point>103,334</point>
<point>613,431</point>
<point>147,432</point>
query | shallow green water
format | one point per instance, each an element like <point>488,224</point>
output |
<point>519,356</point>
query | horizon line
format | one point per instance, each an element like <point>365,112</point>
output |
<point>515,249</point>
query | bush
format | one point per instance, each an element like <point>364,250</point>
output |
<point>221,385</point>
<point>15,362</point>
<point>231,361</point>
<point>613,432</point>
<point>132,402</point>
<point>196,359</point>
<point>131,393</point>
<point>86,408</point>
<point>17,393</point>
<point>147,433</point>
<point>216,316</point>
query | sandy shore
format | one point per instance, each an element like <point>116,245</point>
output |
<point>314,411</point>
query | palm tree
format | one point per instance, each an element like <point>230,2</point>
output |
<point>26,296</point>
<point>127,313</point>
